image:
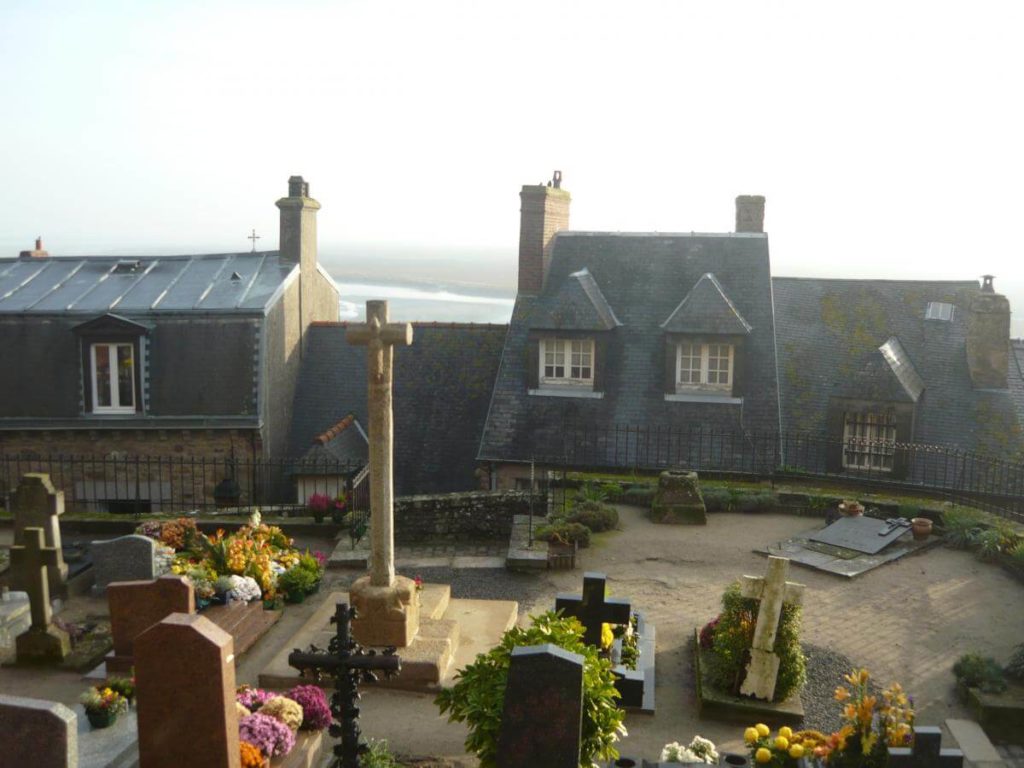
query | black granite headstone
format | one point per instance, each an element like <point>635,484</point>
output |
<point>927,751</point>
<point>592,609</point>
<point>542,721</point>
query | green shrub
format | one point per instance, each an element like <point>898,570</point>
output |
<point>763,501</point>
<point>734,634</point>
<point>638,495</point>
<point>591,492</point>
<point>597,517</point>
<point>973,670</point>
<point>717,499</point>
<point>989,543</point>
<point>478,696</point>
<point>1015,667</point>
<point>961,527</point>
<point>909,511</point>
<point>611,490</point>
<point>297,581</point>
<point>565,533</point>
<point>378,755</point>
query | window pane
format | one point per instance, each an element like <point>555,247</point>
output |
<point>102,380</point>
<point>718,364</point>
<point>689,363</point>
<point>869,440</point>
<point>125,376</point>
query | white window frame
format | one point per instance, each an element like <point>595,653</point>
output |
<point>705,374</point>
<point>869,440</point>
<point>562,357</point>
<point>939,310</point>
<point>115,393</point>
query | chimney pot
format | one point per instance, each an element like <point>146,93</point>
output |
<point>750,213</point>
<point>543,213</point>
<point>986,283</point>
<point>297,187</point>
<point>556,179</point>
<point>39,243</point>
<point>37,253</point>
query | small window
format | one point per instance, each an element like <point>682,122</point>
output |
<point>939,310</point>
<point>869,441</point>
<point>704,366</point>
<point>567,362</point>
<point>113,378</point>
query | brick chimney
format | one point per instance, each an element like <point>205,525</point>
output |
<point>297,242</point>
<point>38,253</point>
<point>750,213</point>
<point>544,212</point>
<point>988,337</point>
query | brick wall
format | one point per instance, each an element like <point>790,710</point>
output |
<point>472,515</point>
<point>544,212</point>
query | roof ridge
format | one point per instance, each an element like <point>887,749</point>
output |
<point>332,432</point>
<point>417,324</point>
<point>874,280</point>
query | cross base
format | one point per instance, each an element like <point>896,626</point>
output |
<point>385,616</point>
<point>42,646</point>
<point>762,672</point>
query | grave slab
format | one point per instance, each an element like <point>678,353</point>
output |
<point>867,535</point>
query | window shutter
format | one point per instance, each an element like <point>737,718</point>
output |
<point>904,434</point>
<point>739,370</point>
<point>600,363</point>
<point>834,441</point>
<point>533,362</point>
<point>670,365</point>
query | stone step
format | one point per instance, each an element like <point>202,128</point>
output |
<point>974,743</point>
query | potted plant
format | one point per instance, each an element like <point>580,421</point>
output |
<point>922,528</point>
<point>296,583</point>
<point>125,686</point>
<point>103,705</point>
<point>851,508</point>
<point>339,508</point>
<point>318,505</point>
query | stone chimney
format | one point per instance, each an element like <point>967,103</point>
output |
<point>750,213</point>
<point>38,253</point>
<point>297,243</point>
<point>544,212</point>
<point>988,337</point>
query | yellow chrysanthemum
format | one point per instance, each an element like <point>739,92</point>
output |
<point>781,743</point>
<point>762,729</point>
<point>786,732</point>
<point>796,751</point>
<point>750,735</point>
<point>763,755</point>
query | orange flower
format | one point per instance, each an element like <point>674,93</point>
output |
<point>251,755</point>
<point>842,694</point>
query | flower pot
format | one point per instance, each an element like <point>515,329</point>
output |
<point>851,508</point>
<point>314,589</point>
<point>101,718</point>
<point>922,528</point>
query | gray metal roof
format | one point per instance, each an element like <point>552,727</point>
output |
<point>229,282</point>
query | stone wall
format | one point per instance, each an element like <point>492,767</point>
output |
<point>458,516</point>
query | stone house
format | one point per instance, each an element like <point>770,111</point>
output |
<point>185,356</point>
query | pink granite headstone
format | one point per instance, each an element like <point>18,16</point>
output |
<point>37,733</point>
<point>135,606</point>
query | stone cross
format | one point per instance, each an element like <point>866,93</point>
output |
<point>379,337</point>
<point>349,665</point>
<point>37,504</point>
<point>43,641</point>
<point>927,751</point>
<point>773,590</point>
<point>592,609</point>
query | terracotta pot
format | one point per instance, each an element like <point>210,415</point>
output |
<point>851,508</point>
<point>922,528</point>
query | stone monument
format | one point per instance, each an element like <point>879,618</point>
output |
<point>43,642</point>
<point>678,500</point>
<point>387,606</point>
<point>126,558</point>
<point>37,504</point>
<point>43,734</point>
<point>773,590</point>
<point>135,606</point>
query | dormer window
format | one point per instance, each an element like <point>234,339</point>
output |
<point>704,367</point>
<point>113,378</point>
<point>567,362</point>
<point>113,362</point>
<point>938,310</point>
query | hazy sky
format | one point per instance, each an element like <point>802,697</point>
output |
<point>886,136</point>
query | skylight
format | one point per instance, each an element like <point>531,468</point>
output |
<point>939,310</point>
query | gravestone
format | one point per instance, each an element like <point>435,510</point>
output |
<point>678,500</point>
<point>37,733</point>
<point>542,720</point>
<point>37,504</point>
<point>185,684</point>
<point>592,608</point>
<point>927,751</point>
<point>862,534</point>
<point>43,642</point>
<point>772,591</point>
<point>127,558</point>
<point>135,606</point>
<point>15,616</point>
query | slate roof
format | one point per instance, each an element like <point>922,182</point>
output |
<point>706,309</point>
<point>441,392</point>
<point>230,282</point>
<point>828,336</point>
<point>644,278</point>
<point>577,305</point>
<point>345,444</point>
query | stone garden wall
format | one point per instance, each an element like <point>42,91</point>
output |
<point>472,515</point>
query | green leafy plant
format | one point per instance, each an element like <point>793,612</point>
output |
<point>961,527</point>
<point>972,670</point>
<point>733,636</point>
<point>717,499</point>
<point>478,696</point>
<point>596,516</point>
<point>989,544</point>
<point>638,495</point>
<point>1015,667</point>
<point>611,490</point>
<point>756,502</point>
<point>564,532</point>
<point>297,582</point>
<point>378,755</point>
<point>592,492</point>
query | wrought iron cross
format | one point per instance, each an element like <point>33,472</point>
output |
<point>254,237</point>
<point>349,664</point>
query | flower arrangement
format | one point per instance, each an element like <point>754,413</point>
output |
<point>104,699</point>
<point>243,589</point>
<point>316,712</point>
<point>270,735</point>
<point>125,686</point>
<point>782,750</point>
<point>700,750</point>
<point>252,698</point>
<point>284,709</point>
<point>251,755</point>
<point>318,504</point>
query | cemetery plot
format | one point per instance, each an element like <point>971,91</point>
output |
<point>611,624</point>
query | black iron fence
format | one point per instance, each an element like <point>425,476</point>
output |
<point>134,484</point>
<point>944,472</point>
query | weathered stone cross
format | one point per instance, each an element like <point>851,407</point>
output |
<point>379,337</point>
<point>42,642</point>
<point>773,590</point>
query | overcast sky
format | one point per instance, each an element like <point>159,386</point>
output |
<point>886,136</point>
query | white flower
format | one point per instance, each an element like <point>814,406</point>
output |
<point>677,753</point>
<point>704,749</point>
<point>244,589</point>
<point>254,519</point>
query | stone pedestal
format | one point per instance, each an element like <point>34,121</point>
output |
<point>385,615</point>
<point>678,500</point>
<point>43,646</point>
